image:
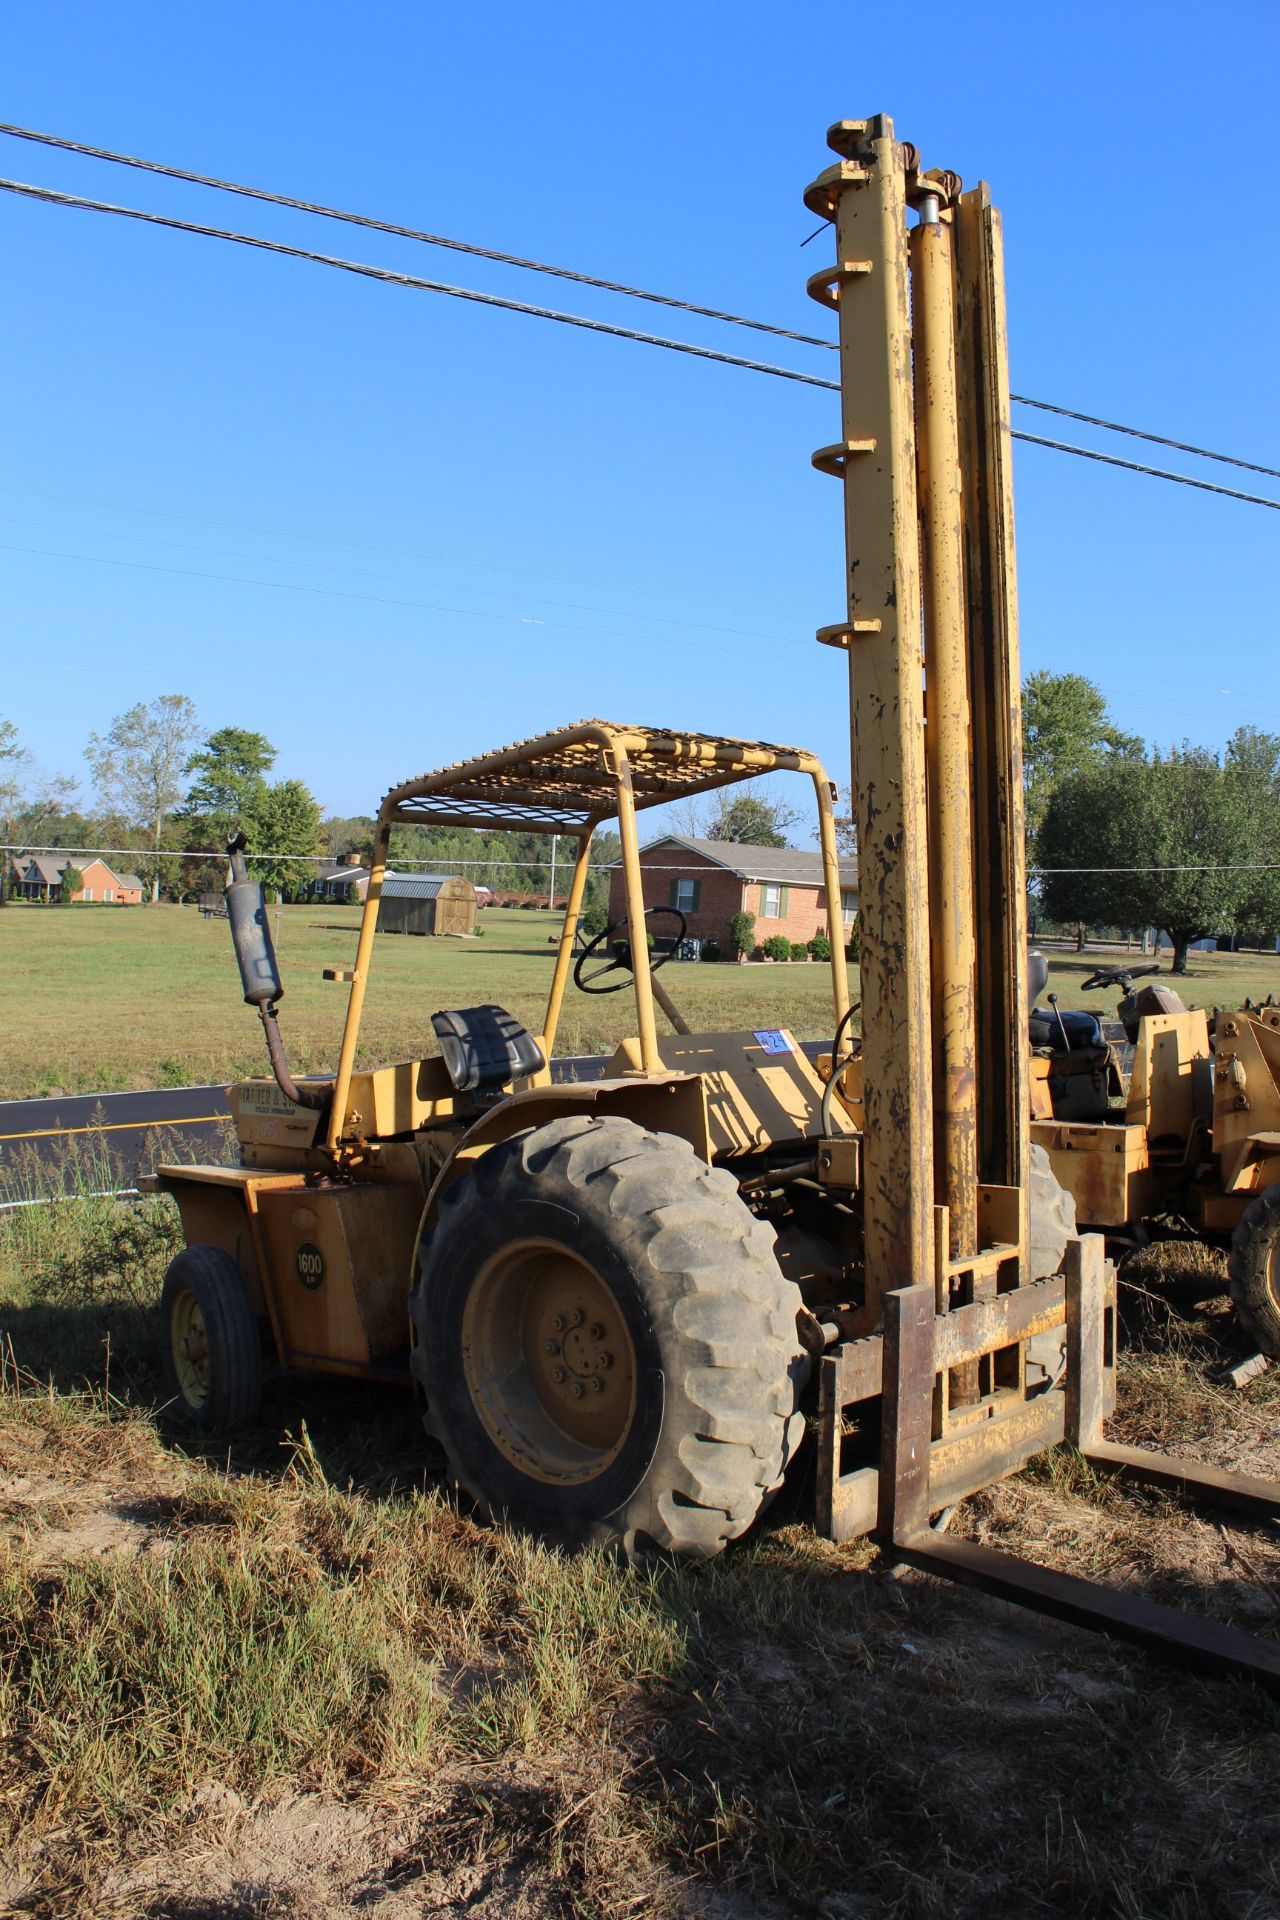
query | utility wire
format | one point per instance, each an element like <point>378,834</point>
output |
<point>1138,433</point>
<point>25,847</point>
<point>1154,473</point>
<point>582,279</point>
<point>409,280</point>
<point>400,579</point>
<point>49,196</point>
<point>388,600</point>
<point>412,233</point>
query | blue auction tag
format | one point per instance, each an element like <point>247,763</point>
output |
<point>774,1041</point>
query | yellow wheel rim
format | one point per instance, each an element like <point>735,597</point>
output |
<point>549,1362</point>
<point>190,1348</point>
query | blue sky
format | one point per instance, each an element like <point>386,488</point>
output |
<point>364,520</point>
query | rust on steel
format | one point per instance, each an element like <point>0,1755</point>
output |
<point>982,367</point>
<point>864,196</point>
<point>948,730</point>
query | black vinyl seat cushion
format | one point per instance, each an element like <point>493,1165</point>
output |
<point>1083,1030</point>
<point>484,1048</point>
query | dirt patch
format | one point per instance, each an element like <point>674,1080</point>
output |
<point>67,1495</point>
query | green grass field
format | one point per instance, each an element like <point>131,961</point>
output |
<point>106,999</point>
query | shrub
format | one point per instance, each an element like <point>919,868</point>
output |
<point>778,947</point>
<point>742,932</point>
<point>593,922</point>
<point>710,950</point>
<point>799,950</point>
<point>820,947</point>
<point>853,944</point>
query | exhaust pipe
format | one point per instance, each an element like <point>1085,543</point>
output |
<point>260,973</point>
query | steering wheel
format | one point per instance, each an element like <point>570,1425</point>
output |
<point>1116,977</point>
<point>620,962</point>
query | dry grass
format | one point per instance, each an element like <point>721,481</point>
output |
<point>296,1680</point>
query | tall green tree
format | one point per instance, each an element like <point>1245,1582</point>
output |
<point>1066,729</point>
<point>34,811</point>
<point>230,780</point>
<point>1151,842</point>
<point>138,765</point>
<point>286,825</point>
<point>1252,766</point>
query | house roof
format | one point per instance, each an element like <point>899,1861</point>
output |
<point>349,874</point>
<point>49,868</point>
<point>786,866</point>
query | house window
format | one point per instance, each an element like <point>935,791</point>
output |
<point>848,905</point>
<point>108,893</point>
<point>771,903</point>
<point>686,895</point>
<point>87,894</point>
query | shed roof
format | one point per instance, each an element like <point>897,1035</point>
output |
<point>413,886</point>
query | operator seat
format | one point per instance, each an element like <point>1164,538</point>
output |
<point>485,1048</point>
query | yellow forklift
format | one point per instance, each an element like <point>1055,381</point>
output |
<point>606,1293</point>
<point>1192,1130</point>
<point>619,1297</point>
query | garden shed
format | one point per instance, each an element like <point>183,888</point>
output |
<point>426,903</point>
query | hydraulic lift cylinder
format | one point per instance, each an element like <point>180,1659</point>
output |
<point>948,730</point>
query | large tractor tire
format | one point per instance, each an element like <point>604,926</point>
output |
<point>1253,1267</point>
<point>209,1341</point>
<point>606,1345</point>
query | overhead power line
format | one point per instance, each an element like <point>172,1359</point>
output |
<point>1153,473</point>
<point>568,273</point>
<point>1139,433</point>
<point>413,281</point>
<point>409,280</point>
<point>413,233</point>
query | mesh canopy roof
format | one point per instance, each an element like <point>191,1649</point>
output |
<point>568,781</point>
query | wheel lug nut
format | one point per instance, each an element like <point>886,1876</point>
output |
<point>577,1389</point>
<point>576,1317</point>
<point>597,1384</point>
<point>596,1331</point>
<point>558,1323</point>
<point>553,1346</point>
<point>606,1359</point>
<point>557,1374</point>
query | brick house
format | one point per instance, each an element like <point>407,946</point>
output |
<point>711,880</point>
<point>38,876</point>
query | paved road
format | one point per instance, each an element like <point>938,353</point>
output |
<point>133,1130</point>
<point>129,1131</point>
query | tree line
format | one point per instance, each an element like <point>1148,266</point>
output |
<point>1122,834</point>
<point>165,790</point>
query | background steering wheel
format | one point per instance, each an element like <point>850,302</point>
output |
<point>1116,977</point>
<point>620,962</point>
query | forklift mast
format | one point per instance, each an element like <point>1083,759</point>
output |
<point>937,1373</point>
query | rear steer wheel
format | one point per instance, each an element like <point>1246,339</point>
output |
<point>1253,1269</point>
<point>605,1342</point>
<point>210,1345</point>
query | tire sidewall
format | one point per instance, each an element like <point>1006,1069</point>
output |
<point>451,1257</point>
<point>216,1283</point>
